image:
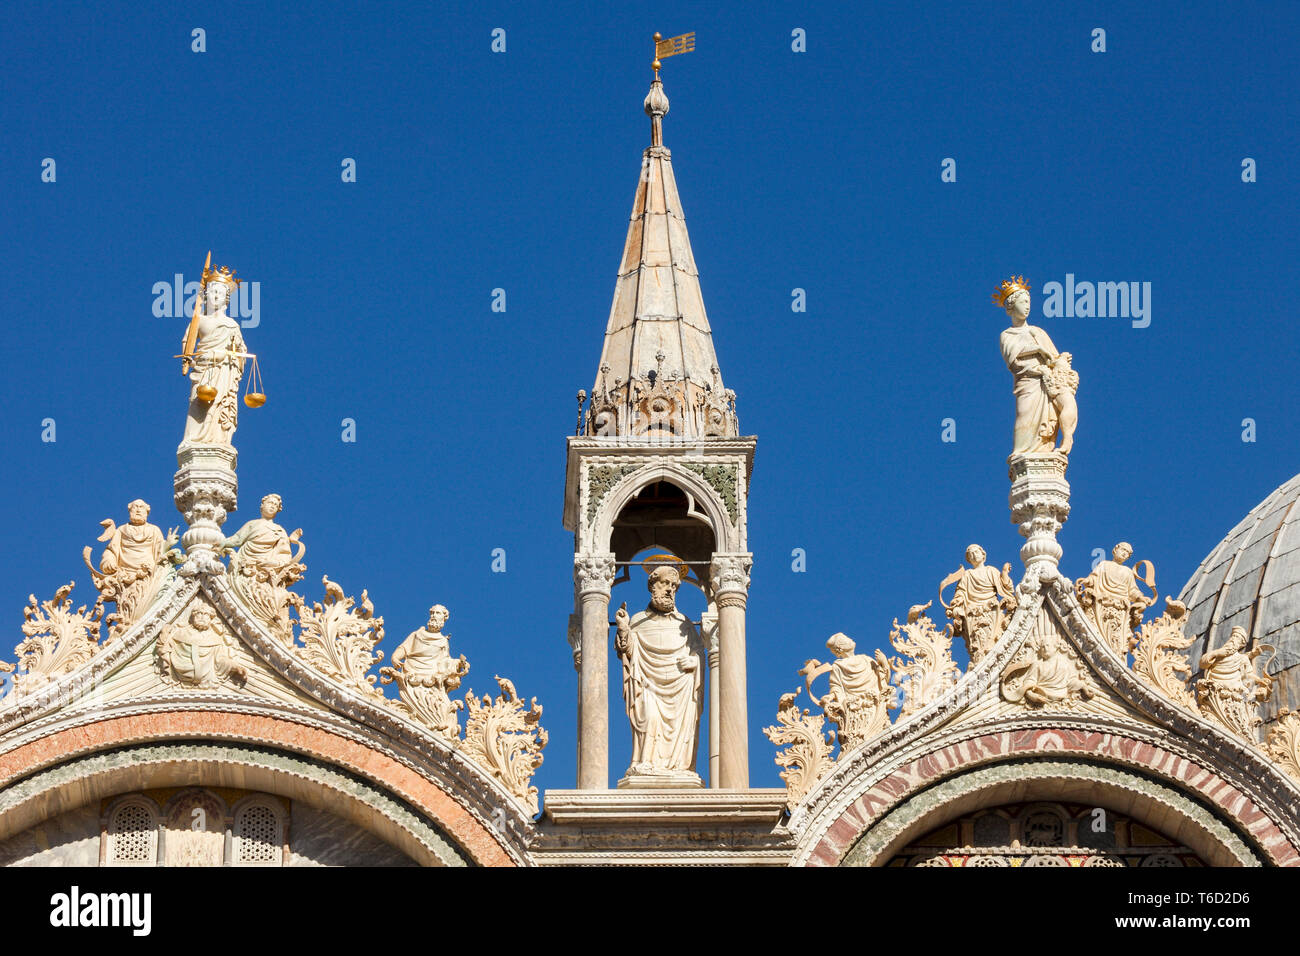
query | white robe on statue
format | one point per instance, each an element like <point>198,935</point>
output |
<point>663,700</point>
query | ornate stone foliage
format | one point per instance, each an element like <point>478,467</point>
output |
<point>136,563</point>
<point>600,479</point>
<point>505,738</point>
<point>1045,673</point>
<point>807,756</point>
<point>1157,657</point>
<point>426,673</point>
<point>982,603</point>
<point>57,641</point>
<point>1284,742</point>
<point>339,638</point>
<point>723,480</point>
<point>1111,598</point>
<point>860,694</point>
<point>930,670</point>
<point>199,651</point>
<point>1229,691</point>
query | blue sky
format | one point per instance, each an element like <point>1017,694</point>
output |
<point>477,170</point>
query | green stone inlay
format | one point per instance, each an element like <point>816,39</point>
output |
<point>600,479</point>
<point>723,479</point>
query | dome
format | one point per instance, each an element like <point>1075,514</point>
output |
<point>1252,579</point>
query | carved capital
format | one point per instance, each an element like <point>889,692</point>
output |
<point>206,488</point>
<point>1040,503</point>
<point>730,576</point>
<point>593,575</point>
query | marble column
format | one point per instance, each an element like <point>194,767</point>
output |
<point>730,576</point>
<point>594,576</point>
<point>709,627</point>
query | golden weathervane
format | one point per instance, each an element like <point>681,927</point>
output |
<point>671,47</point>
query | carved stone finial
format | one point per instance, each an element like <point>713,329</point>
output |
<point>929,670</point>
<point>1040,503</point>
<point>57,641</point>
<point>1157,658</point>
<point>807,756</point>
<point>1284,742</point>
<point>504,737</point>
<point>339,638</point>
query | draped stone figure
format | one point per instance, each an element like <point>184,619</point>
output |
<point>1230,690</point>
<point>1110,596</point>
<point>1050,676</point>
<point>264,564</point>
<point>133,565</point>
<point>216,366</point>
<point>859,695</point>
<point>426,673</point>
<point>663,683</point>
<point>1044,381</point>
<point>979,601</point>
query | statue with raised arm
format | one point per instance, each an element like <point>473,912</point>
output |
<point>982,602</point>
<point>663,681</point>
<point>859,696</point>
<point>134,564</point>
<point>1045,383</point>
<point>1230,690</point>
<point>1111,598</point>
<point>426,673</point>
<point>213,354</point>
<point>264,564</point>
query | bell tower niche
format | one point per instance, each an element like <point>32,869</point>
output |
<point>655,495</point>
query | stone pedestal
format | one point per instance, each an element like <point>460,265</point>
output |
<point>664,780</point>
<point>1040,503</point>
<point>206,489</point>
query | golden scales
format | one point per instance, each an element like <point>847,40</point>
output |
<point>254,397</point>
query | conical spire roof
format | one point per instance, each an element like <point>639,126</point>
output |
<point>658,372</point>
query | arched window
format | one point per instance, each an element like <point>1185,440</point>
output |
<point>259,834</point>
<point>132,834</point>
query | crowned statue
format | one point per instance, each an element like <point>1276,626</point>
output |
<point>213,354</point>
<point>1045,383</point>
<point>663,683</point>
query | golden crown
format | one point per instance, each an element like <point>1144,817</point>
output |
<point>224,275</point>
<point>1014,284</point>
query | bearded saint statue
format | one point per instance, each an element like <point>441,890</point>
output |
<point>663,684</point>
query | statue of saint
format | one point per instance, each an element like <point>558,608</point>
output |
<point>426,673</point>
<point>133,564</point>
<point>1044,382</point>
<point>264,564</point>
<point>859,696</point>
<point>980,603</point>
<point>1112,599</point>
<point>663,683</point>
<point>1050,676</point>
<point>1229,689</point>
<point>216,365</point>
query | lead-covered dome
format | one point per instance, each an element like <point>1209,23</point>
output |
<point>1252,579</point>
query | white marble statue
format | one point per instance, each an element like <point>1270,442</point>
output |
<point>859,696</point>
<point>216,365</point>
<point>1110,596</point>
<point>1230,690</point>
<point>663,684</point>
<point>134,563</point>
<point>982,602</point>
<point>1044,381</point>
<point>264,564</point>
<point>426,673</point>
